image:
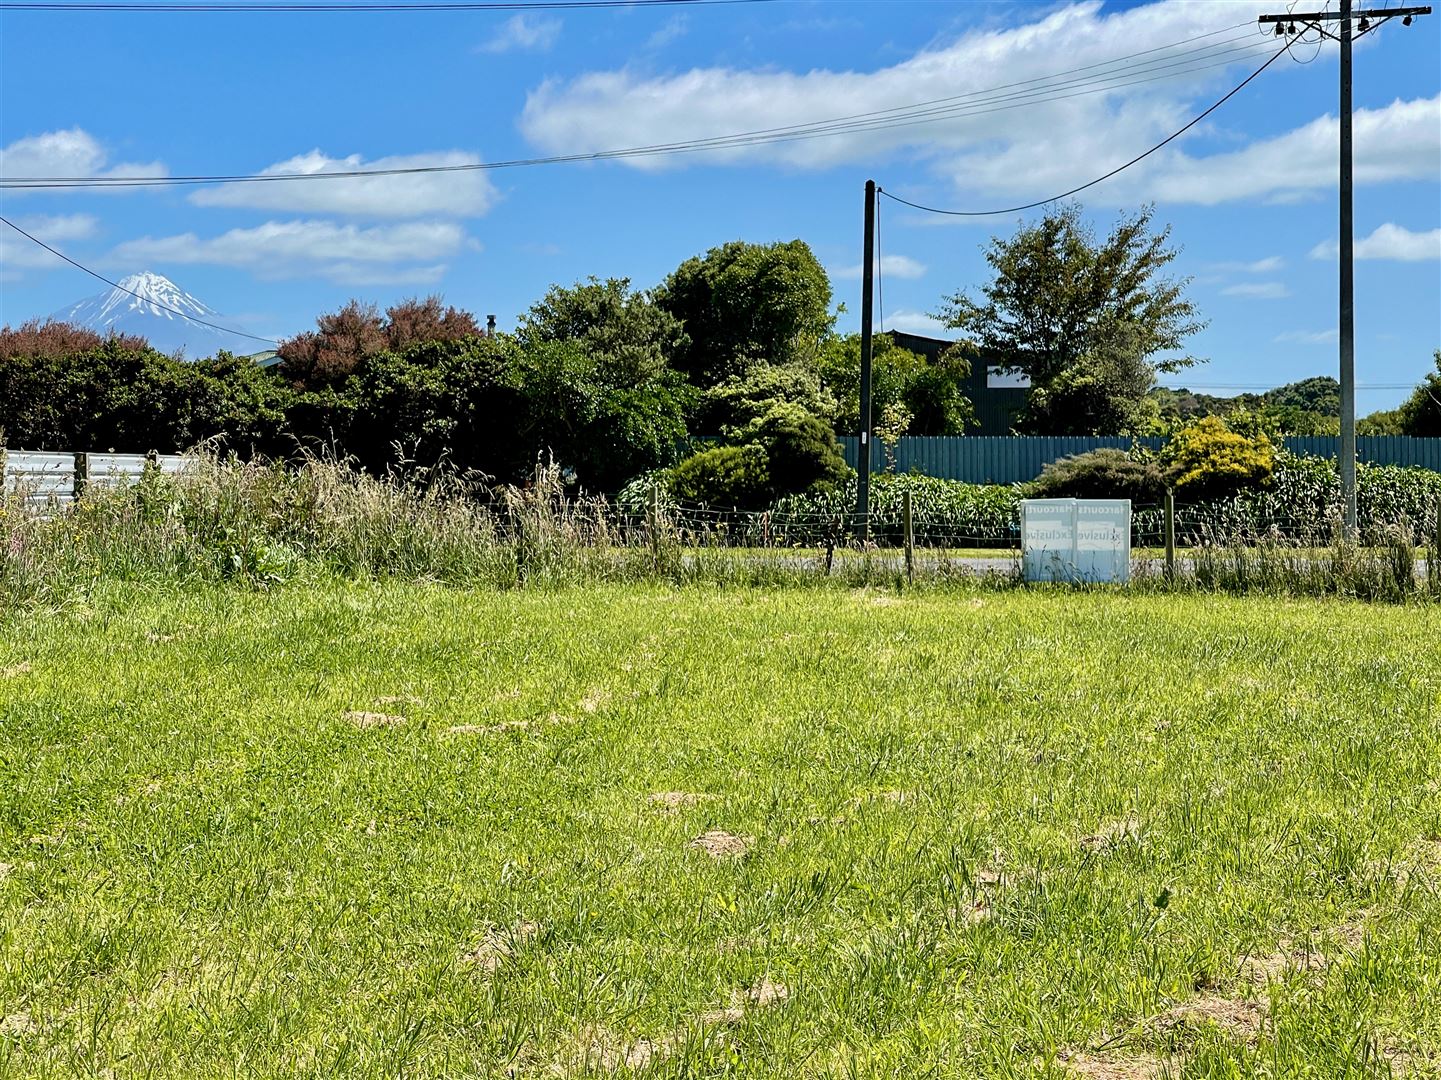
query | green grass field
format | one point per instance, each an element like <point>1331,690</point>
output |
<point>392,830</point>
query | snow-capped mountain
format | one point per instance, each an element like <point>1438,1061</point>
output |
<point>158,310</point>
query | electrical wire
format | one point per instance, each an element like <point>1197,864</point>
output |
<point>1215,54</point>
<point>1120,168</point>
<point>265,7</point>
<point>132,292</point>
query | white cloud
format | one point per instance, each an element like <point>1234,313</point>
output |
<point>673,29</point>
<point>1258,290</point>
<point>917,322</point>
<point>1268,265</point>
<point>411,253</point>
<point>72,152</point>
<point>462,194</point>
<point>18,253</point>
<point>1309,337</point>
<point>524,32</point>
<point>1400,141</point>
<point>1389,241</point>
<point>894,266</point>
<point>606,109</point>
<point>998,150</point>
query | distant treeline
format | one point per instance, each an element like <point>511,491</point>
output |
<point>607,380</point>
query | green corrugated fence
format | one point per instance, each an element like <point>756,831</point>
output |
<point>1012,459</point>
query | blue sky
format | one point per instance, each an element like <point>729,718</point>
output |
<point>1250,194</point>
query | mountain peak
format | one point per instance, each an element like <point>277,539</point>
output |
<point>148,281</point>
<point>155,308</point>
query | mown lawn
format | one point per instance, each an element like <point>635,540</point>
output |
<point>391,830</point>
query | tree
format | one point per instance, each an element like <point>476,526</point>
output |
<point>604,426</point>
<point>1083,318</point>
<point>933,394</point>
<point>112,395</point>
<point>342,340</point>
<point>435,400</point>
<point>1420,414</point>
<point>745,303</point>
<point>742,399</point>
<point>628,330</point>
<point>50,339</point>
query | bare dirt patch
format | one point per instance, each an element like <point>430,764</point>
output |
<point>675,800</point>
<point>488,729</point>
<point>1113,834</point>
<point>18,1024</point>
<point>598,1049</point>
<point>1309,956</point>
<point>497,945</point>
<point>595,699</point>
<point>6,869</point>
<point>398,699</point>
<point>16,670</point>
<point>1117,1066</point>
<point>765,994</point>
<point>719,844</point>
<point>1239,1018</point>
<point>363,719</point>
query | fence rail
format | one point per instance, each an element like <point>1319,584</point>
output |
<point>42,477</point>
<point>1013,459</point>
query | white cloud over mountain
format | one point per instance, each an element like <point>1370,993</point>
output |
<point>458,194</point>
<point>409,253</point>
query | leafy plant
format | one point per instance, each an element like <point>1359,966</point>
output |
<point>724,476</point>
<point>1210,459</point>
<point>1100,474</point>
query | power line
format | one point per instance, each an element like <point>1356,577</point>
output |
<point>1216,54</point>
<point>132,292</point>
<point>266,7</point>
<point>1120,168</point>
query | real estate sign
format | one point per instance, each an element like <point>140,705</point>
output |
<point>1076,539</point>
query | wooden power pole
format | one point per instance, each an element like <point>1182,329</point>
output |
<point>863,454</point>
<point>1364,22</point>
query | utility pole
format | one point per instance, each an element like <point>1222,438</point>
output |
<point>1287,25</point>
<point>863,455</point>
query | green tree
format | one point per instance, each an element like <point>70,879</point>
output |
<point>1420,414</point>
<point>628,330</point>
<point>1084,318</point>
<point>132,399</point>
<point>432,401</point>
<point>595,420</point>
<point>933,394</point>
<point>741,399</point>
<point>745,303</point>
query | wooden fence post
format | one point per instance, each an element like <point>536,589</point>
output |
<point>654,515</point>
<point>82,475</point>
<point>1170,534</point>
<point>910,526</point>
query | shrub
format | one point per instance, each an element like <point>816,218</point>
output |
<point>724,476</point>
<point>802,453</point>
<point>1100,474</point>
<point>1208,459</point>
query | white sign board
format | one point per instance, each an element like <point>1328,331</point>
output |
<point>1076,539</point>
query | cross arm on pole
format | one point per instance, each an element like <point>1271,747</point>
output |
<point>1336,16</point>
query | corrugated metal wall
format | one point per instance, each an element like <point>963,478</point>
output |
<point>40,478</point>
<point>1011,459</point>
